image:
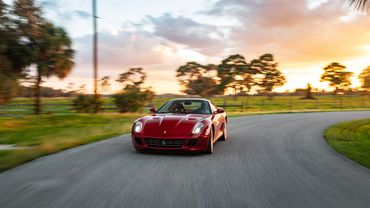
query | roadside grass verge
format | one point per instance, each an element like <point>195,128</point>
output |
<point>36,136</point>
<point>351,139</point>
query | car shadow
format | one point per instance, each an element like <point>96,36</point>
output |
<point>170,153</point>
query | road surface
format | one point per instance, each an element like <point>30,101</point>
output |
<point>268,161</point>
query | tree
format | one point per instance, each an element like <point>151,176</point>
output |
<point>50,45</point>
<point>235,73</point>
<point>202,86</point>
<point>308,92</point>
<point>269,75</point>
<point>133,77</point>
<point>364,78</point>
<point>8,85</point>
<point>54,57</point>
<point>105,83</point>
<point>360,5</point>
<point>337,77</point>
<point>14,56</point>
<point>197,79</point>
<point>133,95</point>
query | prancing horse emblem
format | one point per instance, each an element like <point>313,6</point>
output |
<point>163,142</point>
<point>164,132</point>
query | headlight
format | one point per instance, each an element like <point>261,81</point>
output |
<point>138,126</point>
<point>198,128</point>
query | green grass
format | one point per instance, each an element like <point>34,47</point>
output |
<point>46,134</point>
<point>351,139</point>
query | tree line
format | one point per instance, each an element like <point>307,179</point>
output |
<point>237,76</point>
<point>234,74</point>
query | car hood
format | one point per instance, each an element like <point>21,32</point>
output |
<point>171,125</point>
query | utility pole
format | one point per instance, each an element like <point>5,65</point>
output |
<point>95,49</point>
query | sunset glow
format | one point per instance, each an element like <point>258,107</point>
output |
<point>159,36</point>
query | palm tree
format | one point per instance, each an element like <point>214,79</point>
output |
<point>53,57</point>
<point>360,5</point>
<point>50,46</point>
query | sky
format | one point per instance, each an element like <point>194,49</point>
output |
<point>159,36</point>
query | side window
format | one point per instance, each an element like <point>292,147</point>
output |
<point>213,107</point>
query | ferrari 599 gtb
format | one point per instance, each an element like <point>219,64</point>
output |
<point>181,124</point>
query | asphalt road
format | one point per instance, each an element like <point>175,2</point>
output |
<point>268,161</point>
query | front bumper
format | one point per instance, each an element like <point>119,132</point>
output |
<point>187,144</point>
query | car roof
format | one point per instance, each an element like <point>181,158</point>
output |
<point>200,99</point>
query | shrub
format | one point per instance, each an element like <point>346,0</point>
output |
<point>87,104</point>
<point>132,99</point>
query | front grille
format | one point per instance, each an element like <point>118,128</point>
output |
<point>171,143</point>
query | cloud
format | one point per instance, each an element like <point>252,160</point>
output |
<point>125,49</point>
<point>82,14</point>
<point>207,39</point>
<point>62,12</point>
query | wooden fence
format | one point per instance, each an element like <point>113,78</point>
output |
<point>230,105</point>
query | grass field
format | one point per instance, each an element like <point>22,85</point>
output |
<point>351,139</point>
<point>46,134</point>
<point>23,106</point>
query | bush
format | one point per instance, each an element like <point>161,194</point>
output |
<point>87,104</point>
<point>132,99</point>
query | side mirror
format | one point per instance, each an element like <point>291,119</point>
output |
<point>220,110</point>
<point>153,110</point>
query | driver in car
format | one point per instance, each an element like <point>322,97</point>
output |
<point>177,108</point>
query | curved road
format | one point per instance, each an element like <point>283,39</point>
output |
<point>268,161</point>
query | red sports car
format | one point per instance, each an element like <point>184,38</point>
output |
<point>181,124</point>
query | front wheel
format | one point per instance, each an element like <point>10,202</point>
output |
<point>210,143</point>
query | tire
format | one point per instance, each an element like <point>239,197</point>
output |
<point>224,133</point>
<point>210,143</point>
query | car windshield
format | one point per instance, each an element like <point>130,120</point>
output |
<point>186,107</point>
